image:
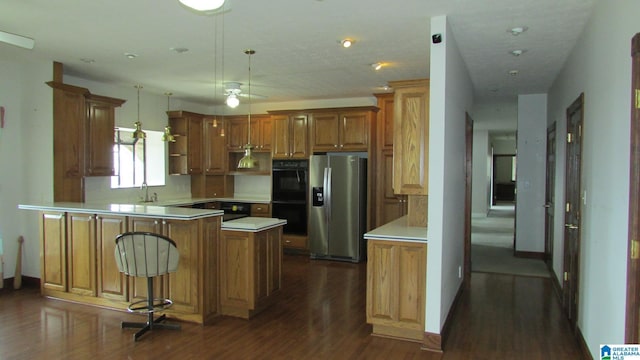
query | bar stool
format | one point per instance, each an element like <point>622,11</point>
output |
<point>145,254</point>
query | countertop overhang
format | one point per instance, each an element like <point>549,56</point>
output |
<point>399,231</point>
<point>139,210</point>
<point>252,224</point>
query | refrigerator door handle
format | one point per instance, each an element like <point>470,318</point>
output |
<point>327,193</point>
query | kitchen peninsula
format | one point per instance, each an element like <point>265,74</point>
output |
<point>77,254</point>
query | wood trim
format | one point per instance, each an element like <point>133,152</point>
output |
<point>58,72</point>
<point>405,83</point>
<point>529,255</point>
<point>309,111</point>
<point>632,323</point>
<point>586,354</point>
<point>432,342</point>
<point>430,339</point>
<point>27,282</point>
<point>467,198</point>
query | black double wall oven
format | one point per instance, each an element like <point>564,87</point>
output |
<point>289,194</point>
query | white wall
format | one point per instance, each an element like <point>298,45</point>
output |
<point>530,172</point>
<point>481,174</point>
<point>600,66</point>
<point>26,157</point>
<point>450,96</point>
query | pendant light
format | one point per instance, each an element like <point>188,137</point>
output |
<point>138,133</point>
<point>248,161</point>
<point>168,136</point>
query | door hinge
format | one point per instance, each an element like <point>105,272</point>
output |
<point>637,98</point>
<point>569,138</point>
<point>566,276</point>
<point>635,249</point>
<point>567,207</point>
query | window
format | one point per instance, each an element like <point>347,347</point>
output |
<point>131,156</point>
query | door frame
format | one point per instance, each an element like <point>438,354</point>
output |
<point>549,194</point>
<point>632,323</point>
<point>494,184</point>
<point>467,198</point>
<point>572,229</point>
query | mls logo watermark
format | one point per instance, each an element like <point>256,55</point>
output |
<point>620,352</point>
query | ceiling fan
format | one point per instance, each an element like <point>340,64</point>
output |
<point>17,40</point>
<point>232,90</point>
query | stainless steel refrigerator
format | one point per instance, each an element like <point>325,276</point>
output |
<point>337,207</point>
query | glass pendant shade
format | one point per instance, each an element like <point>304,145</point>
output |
<point>233,101</point>
<point>247,161</point>
<point>168,136</point>
<point>138,133</point>
<point>203,5</point>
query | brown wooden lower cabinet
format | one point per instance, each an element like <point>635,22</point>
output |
<point>250,270</point>
<point>396,284</point>
<point>78,263</point>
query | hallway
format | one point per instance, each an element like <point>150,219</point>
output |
<point>492,245</point>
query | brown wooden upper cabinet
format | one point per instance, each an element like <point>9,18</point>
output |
<point>99,134</point>
<point>411,137</point>
<point>185,155</point>
<point>83,138</point>
<point>340,131</point>
<point>289,136</point>
<point>237,129</point>
<point>215,146</point>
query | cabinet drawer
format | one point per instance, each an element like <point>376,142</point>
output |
<point>261,210</point>
<point>292,241</point>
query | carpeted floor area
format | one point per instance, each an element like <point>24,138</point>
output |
<point>492,246</point>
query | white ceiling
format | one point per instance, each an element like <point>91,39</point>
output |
<point>296,42</point>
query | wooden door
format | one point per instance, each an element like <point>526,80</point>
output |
<point>235,269</point>
<point>354,131</point>
<point>195,145</point>
<point>298,137</point>
<point>632,326</point>
<point>280,144</point>
<point>54,251</point>
<point>215,148</point>
<point>572,218</point>
<point>236,132</point>
<point>325,134</point>
<point>411,138</point>
<point>99,133</point>
<point>112,284</point>
<point>81,250</point>
<point>549,196</point>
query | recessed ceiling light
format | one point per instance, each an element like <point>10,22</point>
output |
<point>200,5</point>
<point>517,52</point>
<point>513,72</point>
<point>87,61</point>
<point>376,66</point>
<point>346,43</point>
<point>179,50</point>
<point>130,55</point>
<point>515,31</point>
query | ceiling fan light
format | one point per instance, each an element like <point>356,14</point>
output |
<point>203,5</point>
<point>233,101</point>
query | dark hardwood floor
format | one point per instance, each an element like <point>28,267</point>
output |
<point>321,315</point>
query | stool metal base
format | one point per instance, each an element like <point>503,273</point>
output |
<point>149,325</point>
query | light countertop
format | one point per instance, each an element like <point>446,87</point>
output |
<point>191,201</point>
<point>140,210</point>
<point>252,224</point>
<point>399,231</point>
